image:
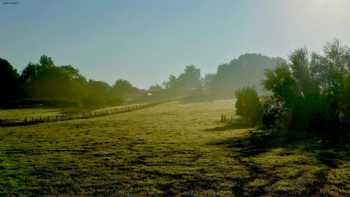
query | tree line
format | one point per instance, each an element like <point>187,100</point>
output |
<point>46,83</point>
<point>310,92</point>
<point>247,69</point>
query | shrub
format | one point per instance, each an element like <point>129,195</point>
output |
<point>248,105</point>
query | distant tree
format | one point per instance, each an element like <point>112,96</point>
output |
<point>246,70</point>
<point>46,61</point>
<point>155,89</point>
<point>171,83</point>
<point>98,93</point>
<point>46,81</point>
<point>185,84</point>
<point>124,89</point>
<point>9,87</point>
<point>208,83</point>
<point>190,80</point>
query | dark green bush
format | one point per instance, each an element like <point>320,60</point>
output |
<point>248,105</point>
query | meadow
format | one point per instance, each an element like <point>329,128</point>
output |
<point>171,149</point>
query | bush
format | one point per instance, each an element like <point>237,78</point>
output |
<point>248,105</point>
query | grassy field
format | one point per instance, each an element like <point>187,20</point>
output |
<point>170,149</point>
<point>29,112</point>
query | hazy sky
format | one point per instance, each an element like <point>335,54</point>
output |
<point>146,40</point>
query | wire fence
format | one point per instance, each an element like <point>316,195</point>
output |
<point>82,115</point>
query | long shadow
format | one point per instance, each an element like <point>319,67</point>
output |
<point>232,125</point>
<point>328,151</point>
<point>328,147</point>
<point>196,99</point>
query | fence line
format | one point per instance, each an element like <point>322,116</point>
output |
<point>82,115</point>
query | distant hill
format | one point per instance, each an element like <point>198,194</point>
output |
<point>247,70</point>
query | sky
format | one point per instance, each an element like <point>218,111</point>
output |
<point>144,41</point>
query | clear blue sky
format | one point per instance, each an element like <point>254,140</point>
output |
<point>146,40</point>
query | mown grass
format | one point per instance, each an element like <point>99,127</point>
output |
<point>28,112</point>
<point>170,149</point>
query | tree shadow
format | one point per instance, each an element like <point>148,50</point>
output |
<point>327,150</point>
<point>197,99</point>
<point>231,125</point>
<point>285,146</point>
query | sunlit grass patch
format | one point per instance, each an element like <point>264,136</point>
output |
<point>167,150</point>
<point>257,185</point>
<point>338,181</point>
<point>276,158</point>
<point>28,113</point>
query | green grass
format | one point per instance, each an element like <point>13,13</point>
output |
<point>170,149</point>
<point>28,113</point>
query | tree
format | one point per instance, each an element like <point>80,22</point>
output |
<point>190,79</point>
<point>9,87</point>
<point>316,91</point>
<point>186,83</point>
<point>155,89</point>
<point>171,83</point>
<point>124,89</point>
<point>46,81</point>
<point>98,93</point>
<point>247,69</point>
<point>46,61</point>
<point>282,84</point>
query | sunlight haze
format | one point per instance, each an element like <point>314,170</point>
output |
<point>145,41</point>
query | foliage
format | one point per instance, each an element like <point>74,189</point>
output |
<point>125,90</point>
<point>97,93</point>
<point>185,83</point>
<point>314,89</point>
<point>274,113</point>
<point>9,88</point>
<point>248,105</point>
<point>246,70</point>
<point>46,83</point>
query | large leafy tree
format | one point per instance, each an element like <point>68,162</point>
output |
<point>186,83</point>
<point>45,80</point>
<point>247,69</point>
<point>97,93</point>
<point>9,87</point>
<point>315,88</point>
<point>125,90</point>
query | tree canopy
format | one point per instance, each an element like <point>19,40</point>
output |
<point>313,89</point>
<point>247,70</point>
<point>8,81</point>
<point>46,82</point>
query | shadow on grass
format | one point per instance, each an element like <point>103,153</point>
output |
<point>326,152</point>
<point>232,125</point>
<point>197,99</point>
